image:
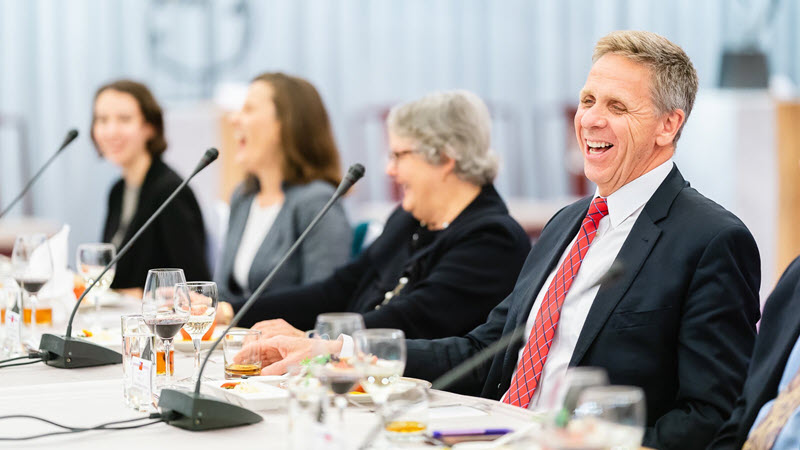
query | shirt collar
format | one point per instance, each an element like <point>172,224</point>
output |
<point>632,196</point>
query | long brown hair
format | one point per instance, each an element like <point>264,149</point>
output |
<point>309,149</point>
<point>151,111</point>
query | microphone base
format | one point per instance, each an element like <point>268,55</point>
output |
<point>73,353</point>
<point>200,413</point>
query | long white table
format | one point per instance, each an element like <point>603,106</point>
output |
<point>90,396</point>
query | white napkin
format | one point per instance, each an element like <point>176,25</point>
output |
<point>61,283</point>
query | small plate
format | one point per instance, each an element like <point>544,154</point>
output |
<point>266,396</point>
<point>185,345</point>
<point>108,299</point>
<point>398,388</point>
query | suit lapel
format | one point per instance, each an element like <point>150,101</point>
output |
<point>632,257</point>
<point>552,244</point>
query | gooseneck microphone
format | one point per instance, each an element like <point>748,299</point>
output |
<point>195,412</point>
<point>67,352</point>
<point>71,135</point>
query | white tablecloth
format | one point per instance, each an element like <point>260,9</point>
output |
<point>91,396</point>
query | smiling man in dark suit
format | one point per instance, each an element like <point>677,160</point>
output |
<point>680,323</point>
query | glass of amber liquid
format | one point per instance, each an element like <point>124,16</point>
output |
<point>407,414</point>
<point>241,354</point>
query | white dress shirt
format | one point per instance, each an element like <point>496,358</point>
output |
<point>259,221</point>
<point>624,207</point>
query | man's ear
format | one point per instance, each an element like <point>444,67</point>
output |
<point>670,124</point>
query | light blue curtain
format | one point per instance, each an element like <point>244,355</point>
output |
<point>528,59</point>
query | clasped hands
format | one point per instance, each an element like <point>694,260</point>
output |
<point>282,345</point>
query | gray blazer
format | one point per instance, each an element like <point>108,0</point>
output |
<point>326,247</point>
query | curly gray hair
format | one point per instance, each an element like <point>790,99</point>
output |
<point>455,124</point>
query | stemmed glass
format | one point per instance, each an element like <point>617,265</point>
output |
<point>340,376</point>
<point>90,260</point>
<point>380,354</point>
<point>164,311</point>
<point>203,302</point>
<point>564,398</point>
<point>610,417</point>
<point>32,266</point>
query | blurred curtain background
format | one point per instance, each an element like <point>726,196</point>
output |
<point>527,59</point>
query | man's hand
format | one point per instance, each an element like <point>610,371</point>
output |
<point>279,352</point>
<point>277,327</point>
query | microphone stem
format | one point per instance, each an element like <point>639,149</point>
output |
<point>267,281</point>
<point>30,183</point>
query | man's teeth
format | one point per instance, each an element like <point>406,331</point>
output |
<point>596,147</point>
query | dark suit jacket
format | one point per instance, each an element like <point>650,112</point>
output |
<point>326,247</point>
<point>454,280</point>
<point>176,238</point>
<point>680,323</point>
<point>778,333</point>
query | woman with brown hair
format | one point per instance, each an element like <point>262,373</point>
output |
<point>285,142</point>
<point>128,131</point>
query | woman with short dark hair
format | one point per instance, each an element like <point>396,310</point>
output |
<point>128,131</point>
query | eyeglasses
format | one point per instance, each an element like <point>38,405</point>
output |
<point>395,155</point>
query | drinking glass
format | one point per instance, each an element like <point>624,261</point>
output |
<point>136,358</point>
<point>164,311</point>
<point>11,302</point>
<point>341,375</point>
<point>610,417</point>
<point>380,354</point>
<point>32,265</point>
<point>564,399</point>
<point>90,260</point>
<point>333,325</point>
<point>203,301</point>
<point>407,414</point>
<point>240,358</point>
<point>308,401</point>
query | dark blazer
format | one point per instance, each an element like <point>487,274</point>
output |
<point>176,238</point>
<point>680,323</point>
<point>778,334</point>
<point>455,279</point>
<point>326,247</point>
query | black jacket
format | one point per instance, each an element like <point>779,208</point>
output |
<point>679,323</point>
<point>455,276</point>
<point>778,333</point>
<point>176,239</point>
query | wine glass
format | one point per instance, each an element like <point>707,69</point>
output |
<point>90,260</point>
<point>380,354</point>
<point>32,266</point>
<point>164,311</point>
<point>610,417</point>
<point>203,302</point>
<point>340,376</point>
<point>564,398</point>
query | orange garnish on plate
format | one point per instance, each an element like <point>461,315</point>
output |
<point>86,332</point>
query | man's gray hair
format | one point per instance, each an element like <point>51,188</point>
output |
<point>673,80</point>
<point>455,124</point>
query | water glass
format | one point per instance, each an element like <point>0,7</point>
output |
<point>332,325</point>
<point>308,403</point>
<point>564,397</point>
<point>610,417</point>
<point>241,359</point>
<point>136,361</point>
<point>90,260</point>
<point>11,302</point>
<point>407,415</point>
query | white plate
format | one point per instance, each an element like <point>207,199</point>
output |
<point>398,388</point>
<point>108,299</point>
<point>182,345</point>
<point>267,397</point>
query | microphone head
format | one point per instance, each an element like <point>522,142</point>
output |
<point>71,135</point>
<point>355,172</point>
<point>211,155</point>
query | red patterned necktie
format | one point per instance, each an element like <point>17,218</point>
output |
<point>529,368</point>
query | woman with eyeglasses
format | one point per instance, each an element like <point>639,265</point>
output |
<point>447,255</point>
